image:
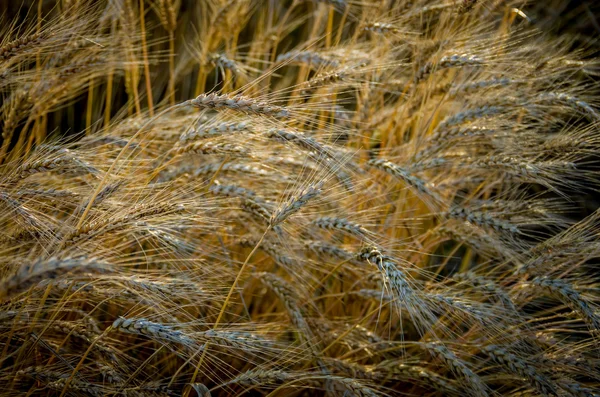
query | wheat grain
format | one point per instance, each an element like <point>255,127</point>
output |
<point>449,61</point>
<point>294,204</point>
<point>521,368</point>
<point>213,148</point>
<point>394,276</point>
<point>342,224</point>
<point>238,103</point>
<point>420,185</point>
<point>458,366</point>
<point>158,331</point>
<point>567,294</point>
<point>481,219</point>
<point>31,274</point>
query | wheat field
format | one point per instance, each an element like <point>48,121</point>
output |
<point>296,198</point>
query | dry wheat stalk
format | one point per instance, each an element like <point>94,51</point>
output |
<point>129,223</point>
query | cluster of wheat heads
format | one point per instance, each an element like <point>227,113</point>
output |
<point>369,198</point>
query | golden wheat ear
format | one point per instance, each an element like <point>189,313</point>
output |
<point>299,197</point>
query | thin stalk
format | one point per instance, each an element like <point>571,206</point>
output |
<point>146,65</point>
<point>171,67</point>
<point>90,102</point>
<point>229,294</point>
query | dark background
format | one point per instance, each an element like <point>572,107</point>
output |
<point>579,19</point>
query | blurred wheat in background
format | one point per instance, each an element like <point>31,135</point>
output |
<point>274,198</point>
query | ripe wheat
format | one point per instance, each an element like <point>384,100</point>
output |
<point>296,197</point>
